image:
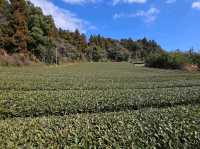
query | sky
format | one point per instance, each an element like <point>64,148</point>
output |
<point>174,24</point>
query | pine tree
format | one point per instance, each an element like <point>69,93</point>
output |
<point>6,29</point>
<point>20,36</point>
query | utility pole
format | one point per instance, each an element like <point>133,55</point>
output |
<point>56,57</point>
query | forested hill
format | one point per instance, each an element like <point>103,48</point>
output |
<point>25,29</point>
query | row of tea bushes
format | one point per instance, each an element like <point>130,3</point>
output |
<point>40,103</point>
<point>177,127</point>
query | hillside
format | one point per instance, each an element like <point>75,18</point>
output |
<point>25,29</point>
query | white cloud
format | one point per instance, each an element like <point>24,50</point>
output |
<point>129,1</point>
<point>63,18</point>
<point>196,5</point>
<point>79,1</point>
<point>114,2</point>
<point>170,1</point>
<point>148,16</point>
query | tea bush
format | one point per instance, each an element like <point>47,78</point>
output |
<point>99,105</point>
<point>148,128</point>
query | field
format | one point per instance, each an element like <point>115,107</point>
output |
<point>98,105</point>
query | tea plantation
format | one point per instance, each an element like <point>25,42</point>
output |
<point>99,105</point>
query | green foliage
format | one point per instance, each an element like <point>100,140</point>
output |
<point>94,53</point>
<point>162,60</point>
<point>103,87</point>
<point>6,28</point>
<point>28,30</point>
<point>20,37</point>
<point>167,60</point>
<point>25,29</point>
<point>149,47</point>
<point>173,60</point>
<point>67,52</point>
<point>194,57</point>
<point>102,105</point>
<point>42,32</point>
<point>151,128</point>
<point>74,38</point>
<point>117,54</point>
<point>141,48</point>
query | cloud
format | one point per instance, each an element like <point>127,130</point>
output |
<point>196,5</point>
<point>129,1</point>
<point>114,2</point>
<point>63,18</point>
<point>79,1</point>
<point>148,16</point>
<point>170,1</point>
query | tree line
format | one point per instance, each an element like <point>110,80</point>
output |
<point>25,29</point>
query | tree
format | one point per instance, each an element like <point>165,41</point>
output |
<point>43,34</point>
<point>118,53</point>
<point>94,53</point>
<point>20,36</point>
<point>79,40</point>
<point>6,30</point>
<point>25,29</point>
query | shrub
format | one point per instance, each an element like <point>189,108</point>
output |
<point>160,61</point>
<point>15,60</point>
<point>194,58</point>
<point>167,60</point>
<point>118,54</point>
<point>94,53</point>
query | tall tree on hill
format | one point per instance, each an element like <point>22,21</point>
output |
<point>6,29</point>
<point>20,36</point>
<point>80,40</point>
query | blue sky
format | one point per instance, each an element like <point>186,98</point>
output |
<point>172,23</point>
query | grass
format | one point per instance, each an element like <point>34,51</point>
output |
<point>88,105</point>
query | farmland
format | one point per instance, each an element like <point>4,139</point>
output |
<point>98,105</point>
